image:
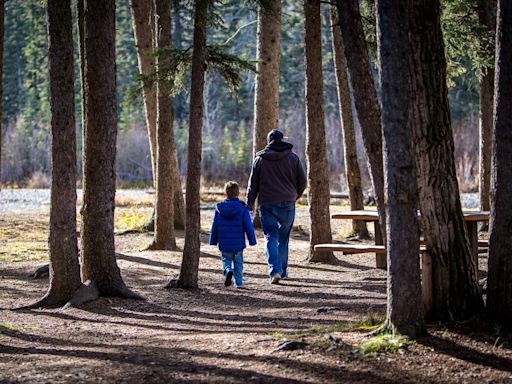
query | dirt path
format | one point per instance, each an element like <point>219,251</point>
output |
<point>218,334</point>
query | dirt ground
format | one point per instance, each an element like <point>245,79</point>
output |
<point>217,334</point>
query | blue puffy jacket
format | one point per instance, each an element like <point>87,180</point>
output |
<point>231,223</point>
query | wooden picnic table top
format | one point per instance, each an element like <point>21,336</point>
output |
<point>374,215</point>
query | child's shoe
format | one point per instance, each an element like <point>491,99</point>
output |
<point>228,279</point>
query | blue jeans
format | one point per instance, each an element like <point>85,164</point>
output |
<point>277,221</point>
<point>233,262</point>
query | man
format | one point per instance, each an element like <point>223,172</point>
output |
<point>277,180</point>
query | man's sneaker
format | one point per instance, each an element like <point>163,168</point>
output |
<point>227,279</point>
<point>275,278</point>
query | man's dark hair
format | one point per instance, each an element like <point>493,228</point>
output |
<point>232,189</point>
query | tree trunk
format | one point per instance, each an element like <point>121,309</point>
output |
<point>143,21</point>
<point>318,177</point>
<point>499,283</point>
<point>352,172</point>
<point>456,294</point>
<point>266,92</point>
<point>404,310</point>
<point>2,11</point>
<point>99,260</point>
<point>190,263</point>
<point>164,225</point>
<point>365,96</point>
<point>63,245</point>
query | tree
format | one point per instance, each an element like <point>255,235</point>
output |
<point>143,16</point>
<point>404,311</point>
<point>365,98</point>
<point>318,178</point>
<point>191,252</point>
<point>487,18</point>
<point>98,250</point>
<point>266,89</point>
<point>352,172</point>
<point>499,282</point>
<point>2,9</point>
<point>63,246</point>
<point>456,293</point>
<point>164,225</point>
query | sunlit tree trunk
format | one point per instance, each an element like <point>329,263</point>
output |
<point>456,294</point>
<point>318,177</point>
<point>190,263</point>
<point>499,283</point>
<point>352,172</point>
<point>404,310</point>
<point>99,260</point>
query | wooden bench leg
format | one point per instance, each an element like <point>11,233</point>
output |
<point>426,282</point>
<point>380,258</point>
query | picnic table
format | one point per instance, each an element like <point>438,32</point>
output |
<point>471,218</point>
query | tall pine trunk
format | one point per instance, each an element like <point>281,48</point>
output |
<point>404,310</point>
<point>487,18</point>
<point>365,98</point>
<point>143,19</point>
<point>99,260</point>
<point>266,91</point>
<point>499,283</point>
<point>164,225</point>
<point>2,11</point>
<point>456,294</point>
<point>191,253</point>
<point>63,245</point>
<point>352,172</point>
<point>318,177</point>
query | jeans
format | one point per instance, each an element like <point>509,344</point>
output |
<point>277,221</point>
<point>233,262</point>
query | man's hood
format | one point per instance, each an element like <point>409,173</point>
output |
<point>275,150</point>
<point>230,207</point>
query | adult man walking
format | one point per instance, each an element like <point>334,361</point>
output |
<point>277,180</point>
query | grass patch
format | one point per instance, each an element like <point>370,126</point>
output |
<point>8,327</point>
<point>130,218</point>
<point>24,239</point>
<point>383,343</point>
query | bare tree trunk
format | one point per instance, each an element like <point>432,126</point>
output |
<point>499,283</point>
<point>456,294</point>
<point>190,263</point>
<point>404,310</point>
<point>487,18</point>
<point>352,172</point>
<point>164,225</point>
<point>99,260</point>
<point>318,178</point>
<point>266,91</point>
<point>365,98</point>
<point>2,11</point>
<point>63,245</point>
<point>143,21</point>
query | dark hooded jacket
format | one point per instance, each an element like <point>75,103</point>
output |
<point>231,223</point>
<point>276,176</point>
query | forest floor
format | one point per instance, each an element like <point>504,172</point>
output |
<point>217,334</point>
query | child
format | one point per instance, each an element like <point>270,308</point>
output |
<point>231,223</point>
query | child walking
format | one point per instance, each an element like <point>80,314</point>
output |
<point>231,223</point>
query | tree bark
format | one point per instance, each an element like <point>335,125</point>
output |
<point>404,310</point>
<point>487,18</point>
<point>266,91</point>
<point>365,96</point>
<point>99,260</point>
<point>164,226</point>
<point>143,21</point>
<point>190,263</point>
<point>499,282</point>
<point>63,246</point>
<point>456,293</point>
<point>352,172</point>
<point>318,177</point>
<point>2,27</point>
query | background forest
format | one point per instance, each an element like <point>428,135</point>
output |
<point>227,148</point>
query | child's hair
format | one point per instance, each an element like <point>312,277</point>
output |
<point>232,189</point>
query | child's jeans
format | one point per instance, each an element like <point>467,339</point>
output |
<point>233,262</point>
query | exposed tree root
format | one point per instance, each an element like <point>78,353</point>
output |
<point>130,231</point>
<point>41,272</point>
<point>161,247</point>
<point>87,292</point>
